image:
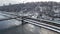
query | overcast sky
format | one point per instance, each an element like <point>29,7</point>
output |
<point>21,1</point>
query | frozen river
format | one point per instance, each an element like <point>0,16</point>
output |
<point>9,25</point>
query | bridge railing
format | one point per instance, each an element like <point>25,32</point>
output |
<point>42,23</point>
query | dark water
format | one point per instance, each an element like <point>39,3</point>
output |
<point>22,29</point>
<point>14,30</point>
<point>31,29</point>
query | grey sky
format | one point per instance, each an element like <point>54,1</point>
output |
<point>21,1</point>
<point>6,2</point>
